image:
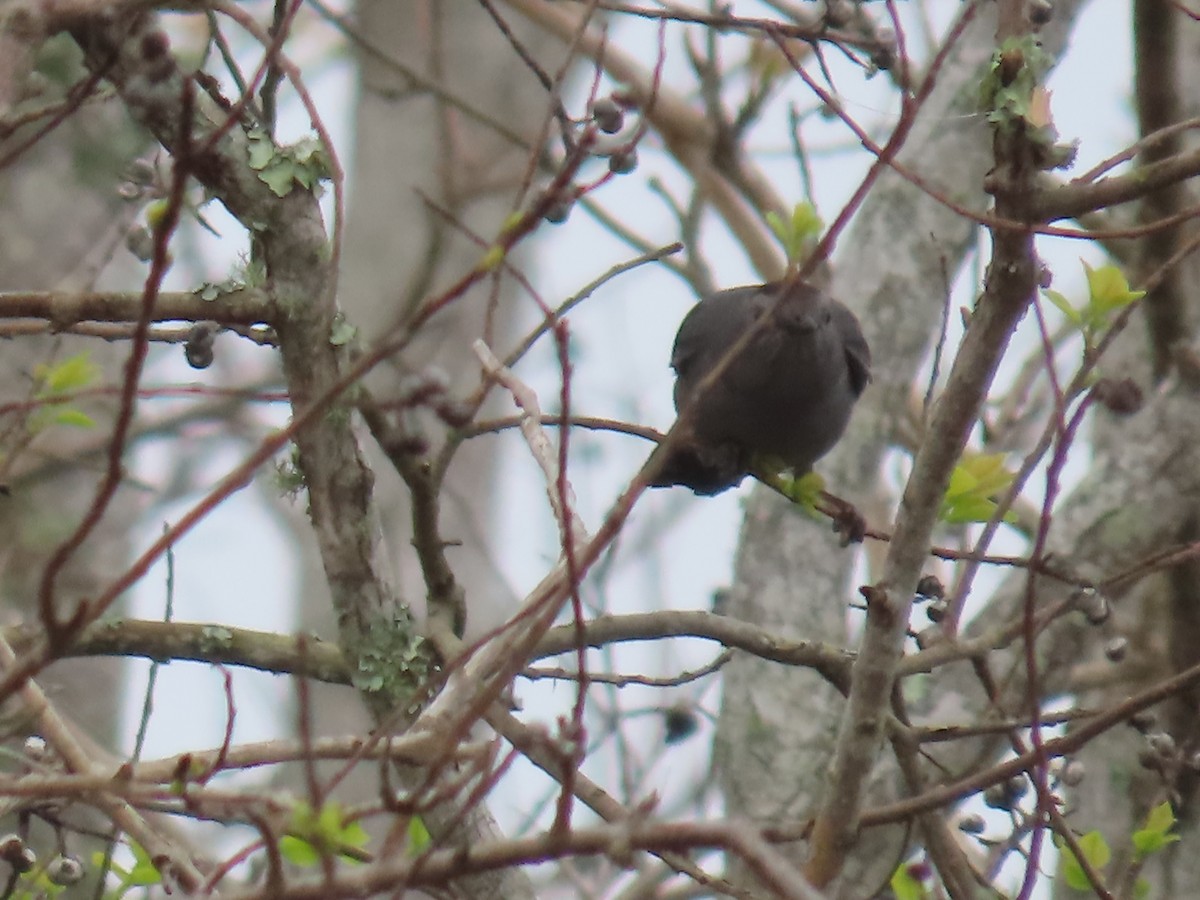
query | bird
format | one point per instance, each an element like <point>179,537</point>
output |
<point>784,399</point>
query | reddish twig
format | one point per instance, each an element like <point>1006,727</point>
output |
<point>58,631</point>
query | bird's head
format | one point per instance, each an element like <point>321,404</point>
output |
<point>803,308</point>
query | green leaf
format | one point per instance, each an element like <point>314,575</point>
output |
<point>974,485</point>
<point>1147,843</point>
<point>298,852</point>
<point>70,374</point>
<point>56,380</point>
<point>1108,293</point>
<point>778,227</point>
<point>797,233</point>
<point>1161,818</point>
<point>143,872</point>
<point>354,835</point>
<point>329,820</point>
<point>1095,850</point>
<point>418,835</point>
<point>1108,289</point>
<point>1155,834</point>
<point>806,224</point>
<point>76,418</point>
<point>313,834</point>
<point>964,510</point>
<point>1074,316</point>
<point>905,886</point>
<point>988,472</point>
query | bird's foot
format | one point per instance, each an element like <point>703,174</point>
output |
<point>848,522</point>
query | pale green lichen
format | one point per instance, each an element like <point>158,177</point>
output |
<point>393,660</point>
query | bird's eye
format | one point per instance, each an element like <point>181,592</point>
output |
<point>828,316</point>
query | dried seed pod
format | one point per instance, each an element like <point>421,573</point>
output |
<point>65,870</point>
<point>608,115</point>
<point>1116,648</point>
<point>1148,759</point>
<point>1040,12</point>
<point>838,13</point>
<point>26,862</point>
<point>972,824</point>
<point>198,350</point>
<point>623,161</point>
<point>680,722</point>
<point>15,852</point>
<point>931,586</point>
<point>1072,773</point>
<point>1142,720</point>
<point>919,870</point>
<point>155,48</point>
<point>1093,605</point>
<point>1120,396</point>
<point>1162,744</point>
<point>140,242</point>
<point>141,171</point>
<point>929,636</point>
<point>996,797</point>
<point>36,748</point>
<point>558,211</point>
<point>883,56</point>
<point>1006,794</point>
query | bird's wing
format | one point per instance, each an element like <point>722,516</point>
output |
<point>858,353</point>
<point>710,328</point>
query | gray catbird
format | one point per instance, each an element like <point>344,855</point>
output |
<point>787,395</point>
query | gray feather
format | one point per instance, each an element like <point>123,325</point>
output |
<point>788,394</point>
